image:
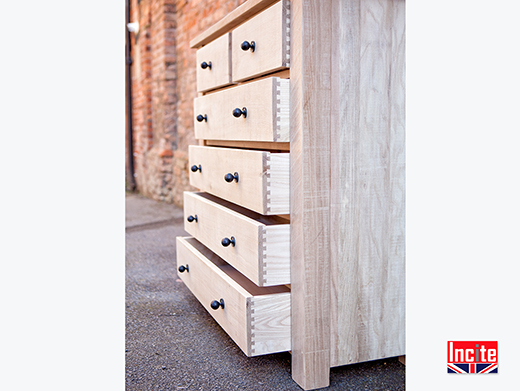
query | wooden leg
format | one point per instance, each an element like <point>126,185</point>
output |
<point>310,191</point>
<point>402,359</point>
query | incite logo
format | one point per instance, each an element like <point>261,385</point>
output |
<point>472,357</point>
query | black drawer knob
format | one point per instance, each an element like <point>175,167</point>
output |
<point>217,304</point>
<point>237,113</point>
<point>191,219</point>
<point>195,168</point>
<point>183,268</point>
<point>205,65</point>
<point>226,241</point>
<point>231,177</point>
<point>201,118</point>
<point>246,46</point>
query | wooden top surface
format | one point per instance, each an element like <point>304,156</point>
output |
<point>235,18</point>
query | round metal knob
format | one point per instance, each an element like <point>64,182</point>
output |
<point>237,113</point>
<point>245,46</point>
<point>201,118</point>
<point>183,268</point>
<point>217,304</point>
<point>191,219</point>
<point>194,168</point>
<point>205,65</point>
<point>226,241</point>
<point>231,177</point>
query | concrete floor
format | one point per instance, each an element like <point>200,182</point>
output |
<point>172,343</point>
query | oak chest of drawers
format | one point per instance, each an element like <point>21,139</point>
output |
<point>298,229</point>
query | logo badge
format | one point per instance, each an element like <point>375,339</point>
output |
<point>472,357</point>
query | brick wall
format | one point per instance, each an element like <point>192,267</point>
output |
<point>163,88</point>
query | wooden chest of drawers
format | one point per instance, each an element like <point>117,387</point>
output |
<point>298,231</point>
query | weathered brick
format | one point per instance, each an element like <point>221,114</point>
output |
<point>163,88</point>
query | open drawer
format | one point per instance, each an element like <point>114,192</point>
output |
<point>258,246</point>
<point>258,319</point>
<point>256,180</point>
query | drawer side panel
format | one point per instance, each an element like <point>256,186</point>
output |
<point>270,319</point>
<point>277,188</point>
<point>276,255</point>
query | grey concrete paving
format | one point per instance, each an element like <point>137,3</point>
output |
<point>172,343</point>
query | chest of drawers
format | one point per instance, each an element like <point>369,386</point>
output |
<point>298,231</point>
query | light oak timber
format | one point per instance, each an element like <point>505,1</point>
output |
<point>263,184</point>
<point>250,145</point>
<point>311,40</point>
<point>218,53</point>
<point>270,30</point>
<point>235,18</point>
<point>261,252</point>
<point>258,319</point>
<point>267,119</point>
<point>367,204</point>
<point>283,74</point>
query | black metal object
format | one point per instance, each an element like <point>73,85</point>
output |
<point>205,65</point>
<point>226,241</point>
<point>194,168</point>
<point>217,304</point>
<point>183,268</point>
<point>245,46</point>
<point>231,177</point>
<point>238,113</point>
<point>201,118</point>
<point>130,180</point>
<point>191,219</point>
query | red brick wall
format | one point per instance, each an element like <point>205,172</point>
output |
<point>163,88</point>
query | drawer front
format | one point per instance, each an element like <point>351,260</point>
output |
<point>261,244</point>
<point>217,70</point>
<point>263,177</point>
<point>265,118</point>
<point>257,319</point>
<point>271,34</point>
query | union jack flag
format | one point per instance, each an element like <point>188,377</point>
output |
<point>472,368</point>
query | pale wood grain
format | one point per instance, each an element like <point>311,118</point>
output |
<point>270,323</point>
<point>267,104</point>
<point>218,53</point>
<point>311,39</point>
<point>265,146</point>
<point>367,208</point>
<point>249,311</point>
<point>277,181</point>
<point>270,30</point>
<point>236,17</point>
<point>262,250</point>
<point>262,187</point>
<point>282,74</point>
<point>276,250</point>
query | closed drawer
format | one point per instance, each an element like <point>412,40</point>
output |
<point>257,319</point>
<point>265,112</point>
<point>260,245</point>
<point>271,34</point>
<point>258,180</point>
<point>216,72</point>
